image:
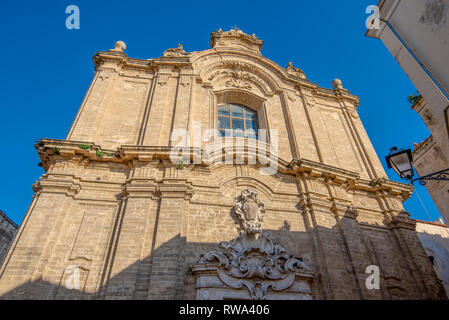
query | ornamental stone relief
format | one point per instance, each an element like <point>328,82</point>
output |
<point>295,71</point>
<point>176,52</point>
<point>242,76</point>
<point>252,261</point>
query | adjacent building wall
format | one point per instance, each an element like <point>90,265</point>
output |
<point>416,32</point>
<point>8,230</point>
<point>429,156</point>
<point>435,240</point>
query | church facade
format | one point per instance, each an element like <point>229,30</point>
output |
<point>215,174</point>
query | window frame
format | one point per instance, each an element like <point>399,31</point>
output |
<point>244,118</point>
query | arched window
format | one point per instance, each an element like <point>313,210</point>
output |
<point>240,121</point>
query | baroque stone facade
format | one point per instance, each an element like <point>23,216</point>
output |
<point>115,207</point>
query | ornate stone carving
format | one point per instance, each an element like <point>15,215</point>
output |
<point>252,260</point>
<point>244,76</point>
<point>238,83</point>
<point>184,80</point>
<point>250,211</point>
<point>235,38</point>
<point>176,52</point>
<point>162,79</point>
<point>105,74</point>
<point>295,71</point>
<point>291,96</point>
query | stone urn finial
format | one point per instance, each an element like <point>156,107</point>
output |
<point>337,84</point>
<point>120,46</point>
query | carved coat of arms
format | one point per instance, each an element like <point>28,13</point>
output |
<point>250,211</point>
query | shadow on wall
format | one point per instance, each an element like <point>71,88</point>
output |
<point>437,248</point>
<point>167,272</point>
<point>340,267</point>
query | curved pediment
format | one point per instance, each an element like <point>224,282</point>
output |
<point>235,61</point>
<point>235,38</point>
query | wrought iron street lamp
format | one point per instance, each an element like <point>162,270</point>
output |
<point>400,160</point>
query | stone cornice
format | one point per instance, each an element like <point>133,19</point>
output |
<point>423,147</point>
<point>57,183</point>
<point>51,151</point>
<point>319,169</point>
<point>176,188</point>
<point>389,186</point>
<point>401,221</point>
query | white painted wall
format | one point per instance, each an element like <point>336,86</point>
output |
<point>435,240</point>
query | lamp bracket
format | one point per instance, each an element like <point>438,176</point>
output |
<point>442,175</point>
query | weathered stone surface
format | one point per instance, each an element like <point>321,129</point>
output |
<point>113,204</point>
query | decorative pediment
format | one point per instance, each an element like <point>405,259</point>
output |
<point>252,260</point>
<point>235,38</point>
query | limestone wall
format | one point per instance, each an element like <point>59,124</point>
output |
<point>114,212</point>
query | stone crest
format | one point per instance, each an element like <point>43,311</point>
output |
<point>250,211</point>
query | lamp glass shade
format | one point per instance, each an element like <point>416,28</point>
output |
<point>401,162</point>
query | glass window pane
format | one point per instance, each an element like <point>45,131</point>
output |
<point>223,123</point>
<point>221,133</point>
<point>223,110</point>
<point>251,126</point>
<point>237,124</point>
<point>250,114</point>
<point>237,111</point>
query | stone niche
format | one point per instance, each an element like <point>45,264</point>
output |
<point>251,266</point>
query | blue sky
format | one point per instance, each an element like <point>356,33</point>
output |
<point>46,68</point>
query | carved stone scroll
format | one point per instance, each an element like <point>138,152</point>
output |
<point>251,260</point>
